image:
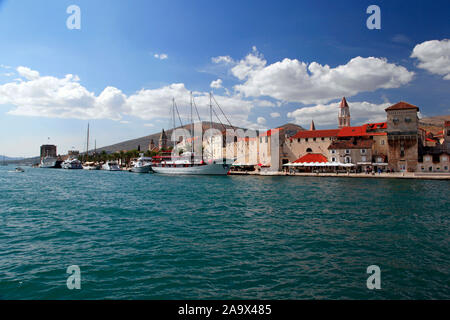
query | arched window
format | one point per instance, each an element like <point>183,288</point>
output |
<point>309,150</point>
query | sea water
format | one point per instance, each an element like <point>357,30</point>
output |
<point>149,236</point>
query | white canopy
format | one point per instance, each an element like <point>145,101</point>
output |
<point>319,164</point>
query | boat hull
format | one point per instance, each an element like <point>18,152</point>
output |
<point>208,169</point>
<point>144,169</point>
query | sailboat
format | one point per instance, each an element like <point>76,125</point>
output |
<point>187,164</point>
<point>89,165</point>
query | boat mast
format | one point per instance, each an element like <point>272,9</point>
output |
<point>192,132</point>
<point>210,124</point>
<point>87,143</point>
<point>173,118</point>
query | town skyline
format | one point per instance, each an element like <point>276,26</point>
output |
<point>120,71</point>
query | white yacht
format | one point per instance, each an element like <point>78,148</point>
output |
<point>186,167</point>
<point>72,163</point>
<point>142,165</point>
<point>48,162</point>
<point>111,166</point>
<point>91,166</point>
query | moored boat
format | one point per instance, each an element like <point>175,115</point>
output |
<point>91,166</point>
<point>111,166</point>
<point>72,163</point>
<point>142,165</point>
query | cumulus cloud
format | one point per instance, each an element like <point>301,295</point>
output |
<point>216,84</point>
<point>48,96</point>
<point>161,56</point>
<point>222,59</point>
<point>291,80</point>
<point>27,73</point>
<point>275,115</point>
<point>326,114</point>
<point>434,56</point>
<point>261,120</point>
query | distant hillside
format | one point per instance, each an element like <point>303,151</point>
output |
<point>433,124</point>
<point>144,142</point>
<point>6,158</point>
<point>291,129</point>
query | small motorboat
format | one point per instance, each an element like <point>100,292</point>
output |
<point>142,165</point>
<point>19,169</point>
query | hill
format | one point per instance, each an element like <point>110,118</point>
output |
<point>144,142</point>
<point>433,124</point>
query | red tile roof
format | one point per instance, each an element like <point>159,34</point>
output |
<point>270,132</point>
<point>364,130</point>
<point>447,124</point>
<point>316,134</point>
<point>402,106</point>
<point>312,157</point>
<point>351,144</point>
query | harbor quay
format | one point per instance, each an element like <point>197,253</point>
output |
<point>399,147</point>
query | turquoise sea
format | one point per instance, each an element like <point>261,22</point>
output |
<point>235,237</point>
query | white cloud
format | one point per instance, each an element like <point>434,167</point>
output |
<point>150,125</point>
<point>261,120</point>
<point>222,59</point>
<point>291,80</point>
<point>27,73</point>
<point>48,96</point>
<point>275,115</point>
<point>161,56</point>
<point>216,84</point>
<point>5,66</point>
<point>124,122</point>
<point>326,115</point>
<point>434,56</point>
<point>8,74</point>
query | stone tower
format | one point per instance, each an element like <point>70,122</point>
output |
<point>312,127</point>
<point>344,114</point>
<point>151,146</point>
<point>403,136</point>
<point>163,140</point>
<point>446,133</point>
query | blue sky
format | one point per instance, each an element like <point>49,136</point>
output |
<point>267,63</point>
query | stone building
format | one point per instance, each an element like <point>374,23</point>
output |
<point>402,136</point>
<point>48,150</point>
<point>355,151</point>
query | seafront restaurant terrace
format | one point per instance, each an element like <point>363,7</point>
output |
<point>317,163</point>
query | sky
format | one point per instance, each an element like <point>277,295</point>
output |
<point>266,62</point>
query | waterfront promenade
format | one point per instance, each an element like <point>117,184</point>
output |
<point>392,175</point>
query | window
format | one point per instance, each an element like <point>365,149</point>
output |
<point>363,158</point>
<point>382,142</point>
<point>333,159</point>
<point>314,139</point>
<point>402,151</point>
<point>423,169</point>
<point>333,151</point>
<point>267,139</point>
<point>347,151</point>
<point>438,168</point>
<point>444,158</point>
<point>308,150</point>
<point>407,119</point>
<point>427,158</point>
<point>348,159</point>
<point>395,120</point>
<point>298,140</point>
<point>445,168</point>
<point>323,139</point>
<point>363,151</point>
<point>260,139</point>
<point>306,139</point>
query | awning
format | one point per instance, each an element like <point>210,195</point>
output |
<point>318,164</point>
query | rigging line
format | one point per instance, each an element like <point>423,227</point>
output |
<point>179,118</point>
<point>196,110</point>
<point>225,128</point>
<point>223,112</point>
